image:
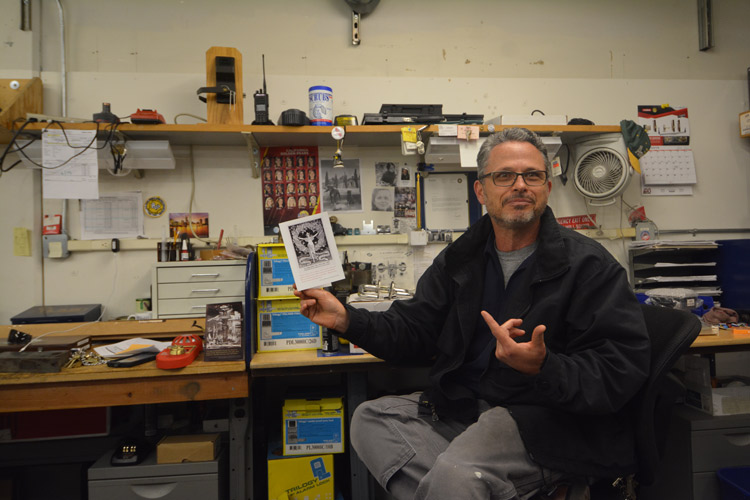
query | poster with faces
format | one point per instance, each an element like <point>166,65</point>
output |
<point>291,187</point>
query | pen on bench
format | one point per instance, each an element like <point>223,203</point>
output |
<point>221,235</point>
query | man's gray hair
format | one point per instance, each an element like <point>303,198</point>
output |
<point>510,135</point>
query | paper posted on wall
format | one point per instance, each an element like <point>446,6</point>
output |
<point>312,251</point>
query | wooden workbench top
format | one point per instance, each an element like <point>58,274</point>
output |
<point>724,339</point>
<point>102,330</point>
<point>80,373</point>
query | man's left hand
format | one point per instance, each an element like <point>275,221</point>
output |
<point>526,357</point>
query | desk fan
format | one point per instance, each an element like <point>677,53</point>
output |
<point>602,170</point>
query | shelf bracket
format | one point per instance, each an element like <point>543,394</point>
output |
<point>254,150</point>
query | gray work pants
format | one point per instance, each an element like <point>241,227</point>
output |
<point>414,457</point>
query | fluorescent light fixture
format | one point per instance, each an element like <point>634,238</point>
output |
<point>139,155</point>
<point>446,149</point>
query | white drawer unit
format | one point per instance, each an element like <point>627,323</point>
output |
<point>182,289</point>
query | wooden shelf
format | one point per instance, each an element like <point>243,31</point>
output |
<point>270,135</point>
<point>266,362</point>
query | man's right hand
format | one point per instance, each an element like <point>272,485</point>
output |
<point>323,308</point>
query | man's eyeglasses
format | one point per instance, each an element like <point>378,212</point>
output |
<point>505,178</point>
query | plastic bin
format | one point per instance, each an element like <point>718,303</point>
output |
<point>734,483</point>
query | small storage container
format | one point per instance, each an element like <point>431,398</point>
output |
<point>185,481</point>
<point>734,483</point>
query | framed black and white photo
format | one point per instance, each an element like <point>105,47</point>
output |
<point>224,338</point>
<point>341,188</point>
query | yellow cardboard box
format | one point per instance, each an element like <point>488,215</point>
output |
<point>275,279</point>
<point>187,448</point>
<point>313,426</point>
<point>299,478</point>
<point>281,327</point>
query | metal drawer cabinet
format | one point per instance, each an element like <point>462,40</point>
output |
<point>185,481</point>
<point>182,289</point>
<point>698,445</point>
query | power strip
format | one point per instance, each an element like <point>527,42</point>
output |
<point>51,118</point>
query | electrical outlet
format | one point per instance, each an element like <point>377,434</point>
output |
<point>55,246</point>
<point>101,244</point>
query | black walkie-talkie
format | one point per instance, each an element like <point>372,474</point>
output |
<point>261,101</point>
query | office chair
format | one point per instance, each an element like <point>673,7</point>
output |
<point>671,332</point>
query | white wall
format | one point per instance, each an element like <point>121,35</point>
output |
<point>582,58</point>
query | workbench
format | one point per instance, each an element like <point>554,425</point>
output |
<point>102,386</point>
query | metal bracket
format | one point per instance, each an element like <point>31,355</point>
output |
<point>705,25</point>
<point>355,27</point>
<point>25,15</point>
<point>254,150</point>
<point>240,449</point>
<point>359,8</point>
<point>55,246</point>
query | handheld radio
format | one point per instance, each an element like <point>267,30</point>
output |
<point>261,101</point>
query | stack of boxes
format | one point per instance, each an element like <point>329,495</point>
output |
<point>281,327</point>
<point>301,466</point>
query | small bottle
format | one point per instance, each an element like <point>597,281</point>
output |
<point>163,256</point>
<point>329,343</point>
<point>184,253</point>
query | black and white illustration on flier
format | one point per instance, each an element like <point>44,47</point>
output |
<point>312,251</point>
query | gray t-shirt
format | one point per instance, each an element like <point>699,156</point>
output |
<point>510,261</point>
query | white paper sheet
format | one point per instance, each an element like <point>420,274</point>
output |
<point>70,172</point>
<point>129,347</point>
<point>114,215</point>
<point>670,190</point>
<point>312,252</point>
<point>468,151</point>
<point>446,202</point>
<point>668,165</point>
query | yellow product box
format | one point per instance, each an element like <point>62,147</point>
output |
<point>313,426</point>
<point>187,448</point>
<point>275,277</point>
<point>281,327</point>
<point>300,478</point>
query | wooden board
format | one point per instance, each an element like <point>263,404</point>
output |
<point>93,386</point>
<point>309,358</point>
<point>225,134</point>
<point>120,392</point>
<point>15,103</point>
<point>726,340</point>
<point>101,330</point>
<point>232,113</point>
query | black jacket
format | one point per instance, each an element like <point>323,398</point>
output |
<point>572,415</point>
